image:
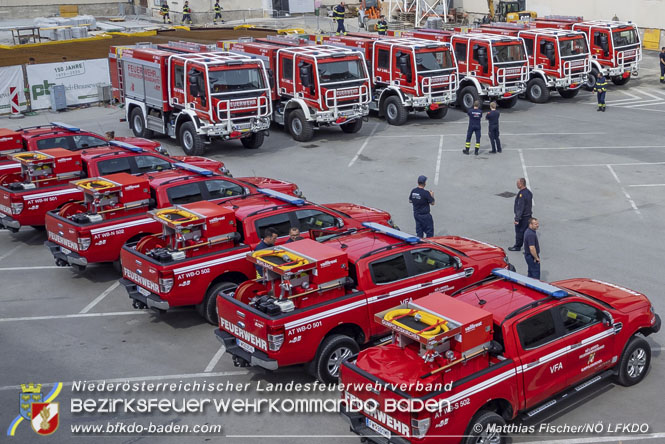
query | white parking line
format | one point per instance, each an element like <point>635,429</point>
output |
<point>215,359</point>
<point>77,315</point>
<point>630,199</point>
<point>601,165</point>
<point>438,161</point>
<point>30,239</point>
<point>410,136</point>
<point>45,267</point>
<point>649,185</point>
<point>526,176</point>
<point>138,378</point>
<point>362,147</point>
<point>597,439</point>
<point>10,252</point>
<point>100,297</point>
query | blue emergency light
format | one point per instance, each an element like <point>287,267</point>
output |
<point>531,283</point>
<point>193,169</point>
<point>281,196</point>
<point>126,146</point>
<point>66,127</point>
<point>401,235</point>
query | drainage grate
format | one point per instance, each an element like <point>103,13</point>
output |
<point>310,146</point>
<point>506,194</point>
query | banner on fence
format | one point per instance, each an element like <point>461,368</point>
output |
<point>11,76</point>
<point>80,79</point>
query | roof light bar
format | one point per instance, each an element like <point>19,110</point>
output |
<point>281,196</point>
<point>401,235</point>
<point>66,127</point>
<point>531,283</point>
<point>126,146</point>
<point>193,169</point>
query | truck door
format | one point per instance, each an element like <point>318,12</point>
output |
<point>198,98</point>
<point>381,65</point>
<point>481,60</point>
<point>286,75</point>
<point>178,83</point>
<point>601,44</point>
<point>306,80</point>
<point>528,42</point>
<point>387,274</point>
<point>542,356</point>
<point>403,67</point>
<point>589,336</point>
<point>461,55</point>
<point>547,53</point>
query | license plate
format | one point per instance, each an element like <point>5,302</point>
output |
<point>245,346</point>
<point>143,291</point>
<point>377,428</point>
<point>65,250</point>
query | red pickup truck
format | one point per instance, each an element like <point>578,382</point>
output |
<point>159,274</point>
<point>26,198</point>
<point>458,368</point>
<point>57,135</point>
<point>114,209</point>
<point>316,302</point>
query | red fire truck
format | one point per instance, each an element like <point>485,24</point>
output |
<point>316,300</point>
<point>111,213</point>
<point>510,345</point>
<point>26,197</point>
<point>159,273</point>
<point>56,135</point>
<point>408,75</point>
<point>194,98</point>
<point>314,86</point>
<point>559,59</point>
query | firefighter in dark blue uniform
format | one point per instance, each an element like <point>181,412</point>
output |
<point>218,13</point>
<point>165,12</point>
<point>522,209</point>
<point>338,16</point>
<point>493,118</point>
<point>186,14</point>
<point>475,115</point>
<point>382,25</point>
<point>421,199</point>
<point>601,89</point>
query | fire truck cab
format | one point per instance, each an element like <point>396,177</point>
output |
<point>314,86</point>
<point>408,75</point>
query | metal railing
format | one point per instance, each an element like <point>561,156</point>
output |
<point>428,83</point>
<point>634,54</point>
<point>576,70</point>
<point>517,74</point>
<point>260,108</point>
<point>334,95</point>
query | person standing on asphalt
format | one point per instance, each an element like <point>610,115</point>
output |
<point>338,15</point>
<point>218,13</point>
<point>601,89</point>
<point>382,25</point>
<point>186,14</point>
<point>661,57</point>
<point>493,132</point>
<point>421,199</point>
<point>165,11</point>
<point>522,210</point>
<point>475,115</point>
<point>532,249</point>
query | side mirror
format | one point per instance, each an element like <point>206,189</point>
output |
<point>604,44</point>
<point>194,81</point>
<point>339,223</point>
<point>608,320</point>
<point>305,72</point>
<point>495,348</point>
<point>458,263</point>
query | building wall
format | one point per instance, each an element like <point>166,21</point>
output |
<point>45,8</point>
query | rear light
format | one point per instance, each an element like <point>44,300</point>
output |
<point>275,338</point>
<point>165,285</point>
<point>84,243</point>
<point>17,207</point>
<point>419,427</point>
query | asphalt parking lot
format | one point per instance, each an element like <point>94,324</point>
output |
<point>599,189</point>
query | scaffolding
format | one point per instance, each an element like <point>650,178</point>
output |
<point>420,10</point>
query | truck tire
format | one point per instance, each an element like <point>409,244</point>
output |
<point>352,127</point>
<point>394,111</point>
<point>333,351</point>
<point>620,80</point>
<point>591,79</point>
<point>466,97</point>
<point>477,430</point>
<point>191,142</point>
<point>537,91</point>
<point>568,93</point>
<point>299,127</point>
<point>507,103</point>
<point>254,141</point>
<point>634,363</point>
<point>208,307</point>
<point>137,123</point>
<point>438,113</point>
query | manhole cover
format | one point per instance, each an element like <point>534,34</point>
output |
<point>506,194</point>
<point>312,145</point>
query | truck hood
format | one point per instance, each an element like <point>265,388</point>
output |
<point>273,184</point>
<point>470,247</point>
<point>361,213</point>
<point>620,298</point>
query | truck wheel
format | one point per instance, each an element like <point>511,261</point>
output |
<point>477,432</point>
<point>334,350</point>
<point>300,129</point>
<point>537,91</point>
<point>352,127</point>
<point>191,142</point>
<point>208,308</point>
<point>466,97</point>
<point>254,141</point>
<point>394,111</point>
<point>591,79</point>
<point>438,113</point>
<point>138,124</point>
<point>620,80</point>
<point>568,93</point>
<point>634,362</point>
<point>507,103</point>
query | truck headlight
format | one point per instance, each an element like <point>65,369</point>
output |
<point>165,284</point>
<point>17,207</point>
<point>419,427</point>
<point>84,243</point>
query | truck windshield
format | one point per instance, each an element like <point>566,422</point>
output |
<point>624,37</point>
<point>433,60</point>
<point>342,71</point>
<point>234,80</point>
<point>574,46</point>
<point>513,52</point>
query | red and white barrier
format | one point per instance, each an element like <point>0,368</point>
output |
<point>14,104</point>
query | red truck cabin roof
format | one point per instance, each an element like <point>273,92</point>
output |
<point>560,18</point>
<point>10,141</point>
<point>362,243</point>
<point>492,38</point>
<point>247,206</point>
